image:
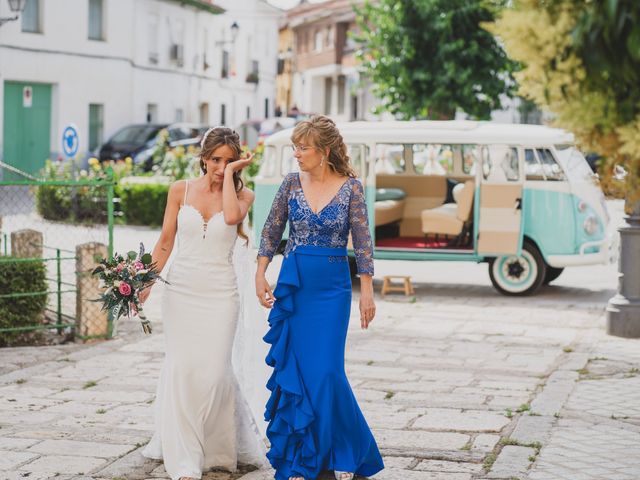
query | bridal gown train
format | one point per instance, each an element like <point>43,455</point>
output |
<point>202,419</point>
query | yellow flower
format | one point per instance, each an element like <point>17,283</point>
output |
<point>93,161</point>
<point>128,160</point>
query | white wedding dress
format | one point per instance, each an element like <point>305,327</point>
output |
<point>202,418</point>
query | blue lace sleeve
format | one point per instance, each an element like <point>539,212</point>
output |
<point>359,224</point>
<point>276,221</point>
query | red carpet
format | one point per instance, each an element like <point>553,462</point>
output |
<point>413,242</point>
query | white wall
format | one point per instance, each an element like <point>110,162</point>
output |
<point>118,74</point>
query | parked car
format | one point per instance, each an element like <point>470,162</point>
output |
<point>139,140</point>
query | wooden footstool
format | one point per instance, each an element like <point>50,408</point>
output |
<point>389,286</point>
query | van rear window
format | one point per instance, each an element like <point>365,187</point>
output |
<point>390,158</point>
<point>433,158</point>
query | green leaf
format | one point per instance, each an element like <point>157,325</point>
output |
<point>132,255</point>
<point>633,43</point>
<point>98,269</point>
<point>146,259</point>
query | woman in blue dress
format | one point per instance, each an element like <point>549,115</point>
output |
<point>315,423</point>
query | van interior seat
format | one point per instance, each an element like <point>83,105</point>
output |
<point>449,219</point>
<point>422,191</point>
<point>388,211</point>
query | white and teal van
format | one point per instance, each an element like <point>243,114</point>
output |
<point>520,197</point>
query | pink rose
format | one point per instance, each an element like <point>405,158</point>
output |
<point>138,265</point>
<point>120,267</point>
<point>125,289</point>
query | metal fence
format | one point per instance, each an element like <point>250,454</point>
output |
<point>45,226</point>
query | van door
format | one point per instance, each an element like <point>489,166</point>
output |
<point>501,179</point>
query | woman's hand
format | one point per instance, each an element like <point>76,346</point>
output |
<point>367,309</point>
<point>239,164</point>
<point>263,291</point>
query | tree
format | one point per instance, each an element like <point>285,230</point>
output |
<point>582,62</point>
<point>429,58</point>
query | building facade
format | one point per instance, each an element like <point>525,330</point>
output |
<point>103,64</point>
<point>326,78</point>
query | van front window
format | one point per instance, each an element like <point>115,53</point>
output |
<point>551,169</point>
<point>574,163</point>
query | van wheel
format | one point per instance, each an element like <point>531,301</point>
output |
<point>518,275</point>
<point>552,274</point>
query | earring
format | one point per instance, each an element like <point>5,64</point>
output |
<point>322,161</point>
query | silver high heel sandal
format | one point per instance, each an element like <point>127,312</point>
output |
<point>343,475</point>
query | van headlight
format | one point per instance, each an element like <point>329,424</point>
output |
<point>590,225</point>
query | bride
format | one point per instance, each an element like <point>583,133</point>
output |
<point>202,419</point>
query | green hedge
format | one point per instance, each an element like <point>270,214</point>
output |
<point>54,202</point>
<point>143,203</point>
<point>21,277</point>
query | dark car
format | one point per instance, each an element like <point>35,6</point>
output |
<point>138,141</point>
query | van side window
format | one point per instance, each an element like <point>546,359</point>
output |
<point>509,164</point>
<point>533,168</point>
<point>487,164</point>
<point>551,169</point>
<point>289,163</point>
<point>390,158</point>
<point>470,158</point>
<point>355,157</point>
<point>432,159</point>
<point>500,163</point>
<point>268,164</point>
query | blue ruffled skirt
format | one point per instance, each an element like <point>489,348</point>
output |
<point>315,423</point>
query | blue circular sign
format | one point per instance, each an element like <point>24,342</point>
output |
<point>70,141</point>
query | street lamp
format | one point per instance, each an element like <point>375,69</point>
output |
<point>17,7</point>
<point>234,33</point>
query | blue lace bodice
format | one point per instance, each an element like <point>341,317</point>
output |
<point>347,211</point>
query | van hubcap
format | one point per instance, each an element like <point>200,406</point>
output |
<point>515,269</point>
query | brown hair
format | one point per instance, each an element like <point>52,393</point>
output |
<point>322,132</point>
<point>213,139</point>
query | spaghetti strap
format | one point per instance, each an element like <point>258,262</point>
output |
<point>186,189</point>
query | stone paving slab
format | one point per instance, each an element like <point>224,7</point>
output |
<point>449,380</point>
<point>597,432</point>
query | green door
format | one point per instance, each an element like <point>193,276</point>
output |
<point>27,128</point>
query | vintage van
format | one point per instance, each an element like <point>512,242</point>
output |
<point>520,197</point>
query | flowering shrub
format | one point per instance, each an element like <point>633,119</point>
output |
<point>84,203</point>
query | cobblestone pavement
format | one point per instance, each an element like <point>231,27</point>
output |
<point>458,383</point>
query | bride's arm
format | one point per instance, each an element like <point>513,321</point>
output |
<point>235,205</point>
<point>164,246</point>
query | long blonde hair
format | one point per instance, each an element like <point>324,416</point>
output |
<point>322,132</point>
<point>212,140</point>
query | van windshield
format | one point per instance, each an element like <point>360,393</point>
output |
<point>573,163</point>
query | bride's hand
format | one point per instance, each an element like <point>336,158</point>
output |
<point>144,294</point>
<point>263,291</point>
<point>241,163</point>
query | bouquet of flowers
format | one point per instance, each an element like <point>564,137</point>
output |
<point>124,278</point>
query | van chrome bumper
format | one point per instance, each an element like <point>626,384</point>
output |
<point>607,254</point>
